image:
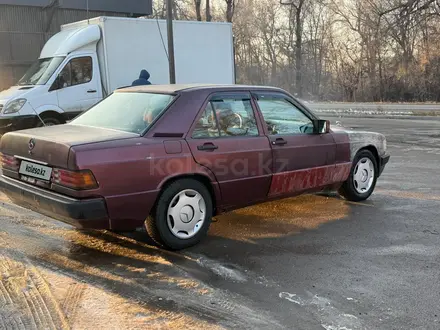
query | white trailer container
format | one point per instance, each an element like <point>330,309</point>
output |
<point>88,60</point>
<point>203,51</point>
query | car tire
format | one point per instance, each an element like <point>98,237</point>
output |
<point>351,189</point>
<point>48,121</point>
<point>188,199</point>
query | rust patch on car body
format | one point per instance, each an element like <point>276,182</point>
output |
<point>361,139</point>
<point>303,180</point>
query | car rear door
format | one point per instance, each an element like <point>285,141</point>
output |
<point>302,160</point>
<point>227,139</point>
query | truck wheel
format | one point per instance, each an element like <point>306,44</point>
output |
<point>48,121</point>
<point>362,179</point>
<point>182,215</point>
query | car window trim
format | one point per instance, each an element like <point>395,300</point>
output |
<point>199,116</point>
<point>232,94</point>
<point>148,129</point>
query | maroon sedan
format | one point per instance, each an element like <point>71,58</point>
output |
<point>171,157</point>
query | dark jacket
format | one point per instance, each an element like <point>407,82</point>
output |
<point>143,79</point>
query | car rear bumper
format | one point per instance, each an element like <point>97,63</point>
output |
<point>89,213</point>
<point>382,163</point>
<point>15,123</point>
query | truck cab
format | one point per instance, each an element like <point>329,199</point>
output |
<point>61,84</point>
<point>88,60</point>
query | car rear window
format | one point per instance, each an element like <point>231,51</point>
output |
<point>129,112</point>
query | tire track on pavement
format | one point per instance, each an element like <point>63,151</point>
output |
<point>167,298</point>
<point>25,299</point>
<point>73,297</point>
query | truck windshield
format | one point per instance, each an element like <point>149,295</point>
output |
<point>126,111</point>
<point>40,72</point>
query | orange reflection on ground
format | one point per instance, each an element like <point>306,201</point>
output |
<point>280,218</point>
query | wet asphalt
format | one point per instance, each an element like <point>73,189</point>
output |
<point>312,262</point>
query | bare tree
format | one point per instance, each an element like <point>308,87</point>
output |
<point>351,50</point>
<point>267,25</point>
<point>198,7</point>
<point>297,18</point>
<point>208,11</point>
<point>230,10</point>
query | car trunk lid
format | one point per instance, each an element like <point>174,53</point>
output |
<point>52,144</point>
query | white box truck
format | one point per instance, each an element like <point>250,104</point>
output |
<point>88,60</point>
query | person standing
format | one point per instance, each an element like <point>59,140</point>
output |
<point>143,79</point>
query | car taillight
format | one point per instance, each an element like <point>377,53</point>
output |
<point>77,180</point>
<point>9,162</point>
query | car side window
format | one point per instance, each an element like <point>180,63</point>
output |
<point>206,127</point>
<point>282,117</point>
<point>235,116</point>
<point>227,116</point>
<point>76,72</point>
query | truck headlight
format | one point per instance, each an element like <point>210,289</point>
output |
<point>14,106</point>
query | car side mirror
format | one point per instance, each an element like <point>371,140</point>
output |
<point>321,126</point>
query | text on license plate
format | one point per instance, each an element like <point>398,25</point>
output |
<point>35,170</point>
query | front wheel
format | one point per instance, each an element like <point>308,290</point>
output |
<point>182,215</point>
<point>362,179</point>
<point>48,121</point>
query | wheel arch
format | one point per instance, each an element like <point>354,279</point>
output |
<point>49,107</point>
<point>347,189</point>
<point>374,151</point>
<point>203,178</point>
<point>53,114</point>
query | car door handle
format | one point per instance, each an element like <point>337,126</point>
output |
<point>91,91</point>
<point>207,146</point>
<point>279,142</point>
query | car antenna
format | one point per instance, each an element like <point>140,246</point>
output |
<point>37,114</point>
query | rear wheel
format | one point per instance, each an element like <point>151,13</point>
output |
<point>362,179</point>
<point>182,215</point>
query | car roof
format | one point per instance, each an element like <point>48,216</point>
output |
<point>179,88</point>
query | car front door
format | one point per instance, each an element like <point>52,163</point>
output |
<point>227,139</point>
<point>78,85</point>
<point>302,160</point>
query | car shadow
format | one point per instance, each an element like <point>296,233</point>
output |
<point>140,274</point>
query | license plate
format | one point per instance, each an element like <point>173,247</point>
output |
<point>35,170</point>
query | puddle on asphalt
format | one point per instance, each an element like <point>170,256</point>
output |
<point>280,218</point>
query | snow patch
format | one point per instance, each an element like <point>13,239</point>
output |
<point>221,270</point>
<point>367,112</point>
<point>349,316</point>
<point>407,249</point>
<point>334,327</point>
<point>292,297</point>
<point>332,317</point>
